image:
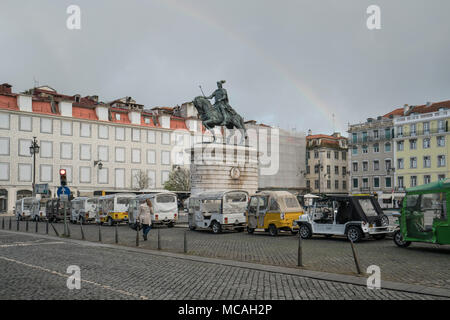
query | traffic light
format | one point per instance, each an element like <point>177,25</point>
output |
<point>63,177</point>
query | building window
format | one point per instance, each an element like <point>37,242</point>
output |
<point>388,164</point>
<point>376,165</point>
<point>164,176</point>
<point>441,125</point>
<point>354,137</point>
<point>117,115</point>
<point>308,169</point>
<point>388,182</point>
<point>151,157</point>
<point>120,154</point>
<point>426,128</point>
<point>400,182</point>
<point>364,136</point>
<point>136,135</point>
<point>4,146</point>
<point>344,155</point>
<point>120,178</point>
<point>400,145</point>
<point>344,184</point>
<point>413,129</point>
<point>365,166</point>
<point>441,177</point>
<point>102,176</point>
<point>387,133</point>
<point>136,155</point>
<point>400,131</point>
<point>103,132</point>
<point>387,147</point>
<point>344,171</point>
<point>355,183</point>
<point>364,149</point>
<point>354,150</point>
<point>376,134</point>
<point>440,141</point>
<point>135,173</point>
<point>336,155</point>
<point>85,152</point>
<point>25,123</point>
<point>46,125</point>
<point>46,173</point>
<point>85,174</point>
<point>24,172</point>
<point>328,154</point>
<point>151,178</point>
<point>376,148</point>
<point>336,184</point>
<point>85,130</point>
<point>426,179</point>
<point>413,181</point>
<point>426,143</point>
<point>120,134</point>
<point>24,148</point>
<point>427,162</point>
<point>66,150</point>
<point>413,162</point>
<point>376,182</point>
<point>4,121</point>
<point>328,169</point>
<point>365,183</point>
<point>46,150</point>
<point>336,169</point>
<point>4,171</point>
<point>165,157</point>
<point>66,128</point>
<point>165,138</point>
<point>413,144</point>
<point>151,137</point>
<point>441,161</point>
<point>307,155</point>
<point>400,164</point>
<point>316,154</point>
<point>103,153</point>
<point>316,184</point>
<point>355,166</point>
<point>308,184</point>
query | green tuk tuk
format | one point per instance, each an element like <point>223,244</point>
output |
<point>425,215</point>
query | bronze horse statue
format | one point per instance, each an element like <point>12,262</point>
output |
<point>212,117</point>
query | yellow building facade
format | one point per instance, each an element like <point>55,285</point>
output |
<point>422,146</point>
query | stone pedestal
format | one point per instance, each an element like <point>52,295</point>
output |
<point>216,166</point>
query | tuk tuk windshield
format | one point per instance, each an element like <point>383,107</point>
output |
<point>29,204</point>
<point>235,202</point>
<point>368,207</point>
<point>166,198</point>
<point>211,206</point>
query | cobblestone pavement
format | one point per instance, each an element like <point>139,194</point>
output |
<point>423,264</point>
<point>35,268</point>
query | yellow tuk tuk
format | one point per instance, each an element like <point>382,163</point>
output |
<point>273,211</point>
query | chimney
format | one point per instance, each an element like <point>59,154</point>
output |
<point>406,108</point>
<point>309,132</point>
<point>429,104</point>
<point>5,88</point>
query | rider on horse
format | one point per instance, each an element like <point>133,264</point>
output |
<point>220,96</point>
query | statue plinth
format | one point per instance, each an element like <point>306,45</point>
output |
<point>217,166</point>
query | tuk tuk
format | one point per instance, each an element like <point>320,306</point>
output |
<point>165,208</point>
<point>425,215</point>
<point>84,209</point>
<point>355,217</point>
<point>42,209</point>
<point>27,208</point>
<point>273,211</point>
<point>113,208</point>
<point>54,209</point>
<point>218,210</point>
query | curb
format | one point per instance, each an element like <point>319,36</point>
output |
<point>318,275</point>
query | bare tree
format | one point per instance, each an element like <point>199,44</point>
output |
<point>179,180</point>
<point>142,181</point>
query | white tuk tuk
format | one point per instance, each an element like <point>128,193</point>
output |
<point>113,208</point>
<point>27,208</point>
<point>84,209</point>
<point>218,210</point>
<point>165,208</point>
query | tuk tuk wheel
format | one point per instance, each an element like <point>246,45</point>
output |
<point>216,227</point>
<point>305,231</point>
<point>273,231</point>
<point>398,239</point>
<point>250,230</point>
<point>354,234</point>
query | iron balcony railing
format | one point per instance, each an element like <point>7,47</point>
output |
<point>421,132</point>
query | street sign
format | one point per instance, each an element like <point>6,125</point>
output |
<point>41,188</point>
<point>63,191</point>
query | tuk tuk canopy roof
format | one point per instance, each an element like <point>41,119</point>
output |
<point>281,197</point>
<point>434,186</point>
<point>215,195</point>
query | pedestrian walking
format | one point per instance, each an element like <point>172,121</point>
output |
<point>144,217</point>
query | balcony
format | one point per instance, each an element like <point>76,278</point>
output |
<point>419,133</point>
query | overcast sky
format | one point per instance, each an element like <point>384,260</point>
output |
<point>287,63</point>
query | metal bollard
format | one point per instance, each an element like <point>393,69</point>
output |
<point>185,241</point>
<point>36,228</point>
<point>26,225</point>
<point>68,231</point>
<point>3,223</point>
<point>159,240</point>
<point>137,236</point>
<point>46,227</point>
<point>99,232</point>
<point>116,234</point>
<point>82,231</point>
<point>10,223</point>
<point>355,258</point>
<point>54,229</point>
<point>299,252</point>
<point>18,225</point>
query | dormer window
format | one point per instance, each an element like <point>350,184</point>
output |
<point>147,120</point>
<point>117,116</point>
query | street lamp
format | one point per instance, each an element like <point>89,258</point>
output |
<point>34,149</point>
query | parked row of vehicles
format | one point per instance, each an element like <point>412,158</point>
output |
<point>109,209</point>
